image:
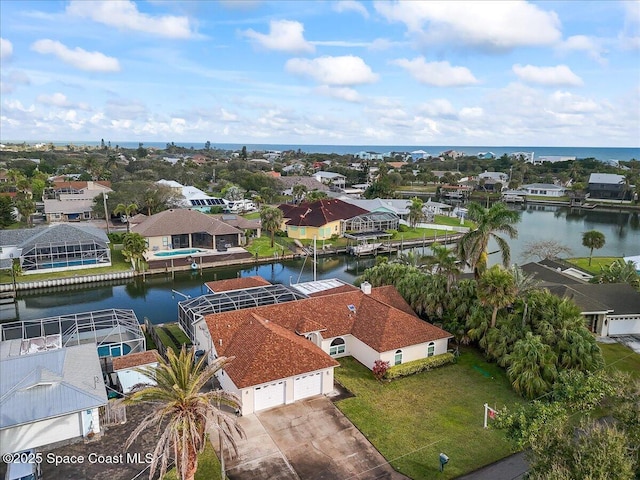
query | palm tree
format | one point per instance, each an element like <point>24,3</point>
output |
<point>271,219</point>
<point>416,214</point>
<point>524,283</point>
<point>532,366</point>
<point>133,247</point>
<point>593,239</point>
<point>472,247</point>
<point>183,411</point>
<point>299,192</point>
<point>444,262</point>
<point>619,272</point>
<point>127,210</point>
<point>497,289</point>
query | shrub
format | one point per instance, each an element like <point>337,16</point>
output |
<point>380,368</point>
<point>424,364</point>
<point>116,237</point>
<point>403,228</point>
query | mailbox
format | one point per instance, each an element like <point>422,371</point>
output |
<point>443,461</point>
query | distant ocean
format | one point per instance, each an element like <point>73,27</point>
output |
<point>600,153</point>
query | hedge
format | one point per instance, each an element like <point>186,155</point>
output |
<point>424,364</point>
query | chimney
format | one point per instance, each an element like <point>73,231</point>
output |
<point>366,288</point>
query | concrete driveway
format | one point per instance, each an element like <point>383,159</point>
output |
<point>309,439</point>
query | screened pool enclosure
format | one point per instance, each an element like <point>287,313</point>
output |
<point>67,255</point>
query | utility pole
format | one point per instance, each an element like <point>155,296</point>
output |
<point>106,213</point>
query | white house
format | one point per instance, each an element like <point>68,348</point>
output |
<point>285,352</point>
<point>330,178</point>
<point>126,366</point>
<point>194,198</point>
<point>48,396</point>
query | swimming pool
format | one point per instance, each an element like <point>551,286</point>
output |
<point>70,263</point>
<point>176,253</point>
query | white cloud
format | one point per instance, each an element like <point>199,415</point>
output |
<point>494,24</point>
<point>284,36</point>
<point>567,102</point>
<point>351,6</point>
<point>471,113</point>
<point>560,75</point>
<point>629,37</point>
<point>583,43</point>
<point>439,74</point>
<point>440,107</point>
<point>79,58</point>
<point>228,116</point>
<point>344,70</point>
<point>341,93</point>
<point>6,48</point>
<point>124,15</point>
<point>56,100</point>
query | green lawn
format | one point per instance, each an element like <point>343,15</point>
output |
<point>262,246</point>
<point>418,188</point>
<point>596,263</point>
<point>620,357</point>
<point>252,216</point>
<point>166,339</point>
<point>452,221</point>
<point>118,264</point>
<point>208,466</point>
<point>412,419</point>
<point>178,333</point>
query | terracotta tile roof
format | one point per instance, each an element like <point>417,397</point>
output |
<point>331,291</point>
<point>182,221</point>
<point>264,351</point>
<point>378,324</point>
<point>306,325</point>
<point>135,360</point>
<point>320,212</point>
<point>236,284</point>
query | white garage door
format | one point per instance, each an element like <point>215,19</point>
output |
<point>624,327</point>
<point>307,385</point>
<point>268,396</point>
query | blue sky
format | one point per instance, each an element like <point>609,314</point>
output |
<point>322,72</point>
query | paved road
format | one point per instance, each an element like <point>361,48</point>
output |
<point>510,468</point>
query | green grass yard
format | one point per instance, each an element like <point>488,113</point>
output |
<point>621,357</point>
<point>596,263</point>
<point>411,420</point>
<point>208,466</point>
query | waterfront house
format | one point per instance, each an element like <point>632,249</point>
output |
<point>609,186</point>
<point>48,394</point>
<point>320,219</point>
<point>186,228</point>
<point>285,352</point>
<point>55,248</point>
<point>69,201</point>
<point>193,197</point>
<point>333,179</point>
<point>418,155</point>
<point>126,367</point>
<point>545,190</point>
<point>486,156</point>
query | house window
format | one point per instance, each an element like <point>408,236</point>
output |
<point>303,230</point>
<point>431,349</point>
<point>397,360</point>
<point>165,241</point>
<point>337,347</point>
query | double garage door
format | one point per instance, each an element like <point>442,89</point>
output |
<point>274,394</point>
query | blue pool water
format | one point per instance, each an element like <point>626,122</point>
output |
<point>175,253</point>
<point>71,263</point>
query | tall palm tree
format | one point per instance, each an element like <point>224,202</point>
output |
<point>133,247</point>
<point>593,239</point>
<point>532,366</point>
<point>271,219</point>
<point>183,411</point>
<point>298,192</point>
<point>524,283</point>
<point>127,210</point>
<point>472,247</point>
<point>444,262</point>
<point>416,213</point>
<point>496,288</point>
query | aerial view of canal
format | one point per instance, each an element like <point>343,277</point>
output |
<point>157,296</point>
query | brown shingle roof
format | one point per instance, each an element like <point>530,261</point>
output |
<point>182,221</point>
<point>320,212</point>
<point>264,351</point>
<point>135,360</point>
<point>378,324</point>
<point>236,284</point>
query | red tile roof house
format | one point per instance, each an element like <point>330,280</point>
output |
<point>286,352</point>
<point>320,219</point>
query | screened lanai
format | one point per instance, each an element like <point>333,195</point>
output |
<point>115,332</point>
<point>372,222</point>
<point>78,253</point>
<point>193,309</point>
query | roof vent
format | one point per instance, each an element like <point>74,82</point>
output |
<point>352,308</point>
<point>366,288</point>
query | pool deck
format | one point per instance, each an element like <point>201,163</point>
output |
<point>205,259</point>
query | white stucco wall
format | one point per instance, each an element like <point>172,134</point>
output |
<point>325,344</point>
<point>41,433</point>
<point>129,377</point>
<point>415,352</point>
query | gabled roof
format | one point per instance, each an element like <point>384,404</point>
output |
<point>320,212</point>
<point>548,276</point>
<point>381,325</point>
<point>236,284</point>
<point>610,178</point>
<point>133,360</point>
<point>264,351</point>
<point>57,233</point>
<point>239,221</point>
<point>182,221</point>
<point>49,384</point>
<point>585,303</point>
<point>306,325</point>
<point>621,298</point>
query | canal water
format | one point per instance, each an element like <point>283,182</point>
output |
<point>156,297</point>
